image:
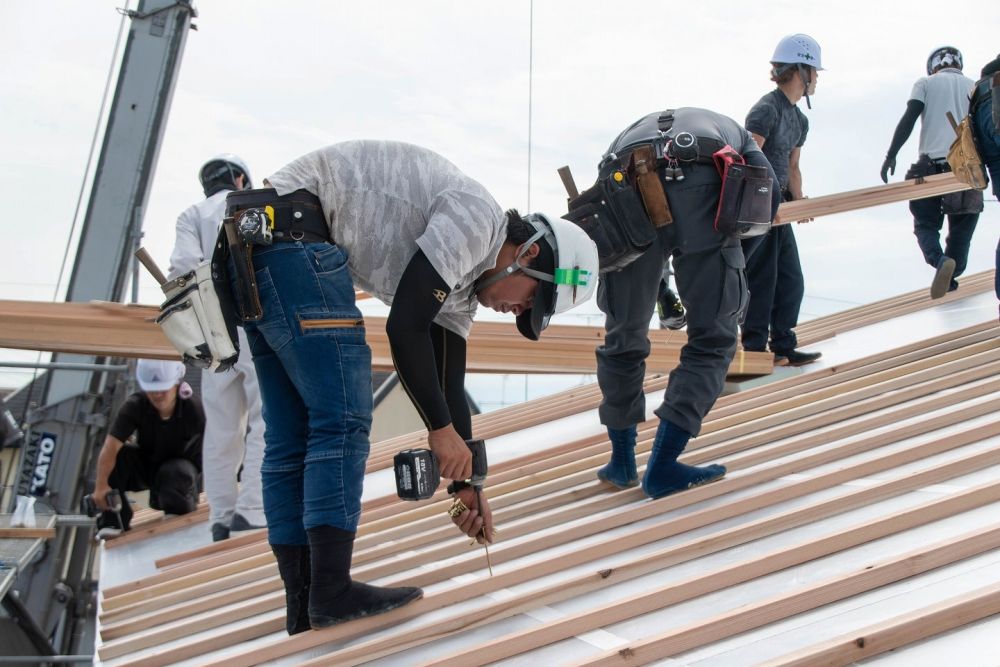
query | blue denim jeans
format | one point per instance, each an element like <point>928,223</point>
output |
<point>988,142</point>
<point>314,369</point>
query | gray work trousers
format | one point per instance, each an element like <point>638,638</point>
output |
<point>710,278</point>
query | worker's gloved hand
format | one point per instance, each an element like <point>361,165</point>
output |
<point>477,520</point>
<point>453,455</point>
<point>888,167</point>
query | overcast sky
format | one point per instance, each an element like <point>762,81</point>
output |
<point>271,81</point>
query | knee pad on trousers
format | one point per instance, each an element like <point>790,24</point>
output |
<point>177,486</point>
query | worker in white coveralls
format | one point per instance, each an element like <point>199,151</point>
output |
<point>234,429</point>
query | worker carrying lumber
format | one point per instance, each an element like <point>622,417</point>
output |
<point>945,89</point>
<point>677,148</point>
<point>234,428</point>
<point>774,272</point>
<point>409,228</point>
<point>985,110</point>
<point>167,422</point>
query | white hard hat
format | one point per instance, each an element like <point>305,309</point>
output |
<point>224,165</point>
<point>944,56</point>
<point>158,374</point>
<point>798,48</point>
<point>566,270</point>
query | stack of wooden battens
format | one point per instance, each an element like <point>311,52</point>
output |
<point>202,605</point>
<point>577,399</point>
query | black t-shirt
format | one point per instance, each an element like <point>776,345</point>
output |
<point>784,128</point>
<point>158,439</point>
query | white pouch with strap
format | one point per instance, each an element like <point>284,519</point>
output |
<point>193,320</point>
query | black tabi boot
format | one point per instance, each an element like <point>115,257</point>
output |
<point>333,596</point>
<point>664,474</point>
<point>293,565</point>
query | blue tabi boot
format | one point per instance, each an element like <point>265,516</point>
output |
<point>621,471</point>
<point>664,475</point>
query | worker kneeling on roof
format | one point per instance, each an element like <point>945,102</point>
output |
<point>168,423</point>
<point>406,226</point>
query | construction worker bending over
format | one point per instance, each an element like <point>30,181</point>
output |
<point>944,89</point>
<point>234,427</point>
<point>985,111</point>
<point>168,423</point>
<point>774,271</point>
<point>405,225</point>
<point>709,270</point>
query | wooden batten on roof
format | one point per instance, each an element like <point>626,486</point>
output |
<point>782,442</point>
<point>578,399</point>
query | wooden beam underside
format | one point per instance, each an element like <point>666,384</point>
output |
<point>887,411</point>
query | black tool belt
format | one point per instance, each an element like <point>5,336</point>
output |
<point>927,166</point>
<point>298,216</point>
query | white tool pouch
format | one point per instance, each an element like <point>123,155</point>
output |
<point>192,318</point>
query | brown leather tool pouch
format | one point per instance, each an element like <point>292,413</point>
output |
<point>654,199</point>
<point>248,300</point>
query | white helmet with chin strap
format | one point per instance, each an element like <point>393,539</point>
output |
<point>798,51</point>
<point>224,167</point>
<point>566,269</point>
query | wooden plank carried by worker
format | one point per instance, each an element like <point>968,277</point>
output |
<point>853,200</point>
<point>113,329</point>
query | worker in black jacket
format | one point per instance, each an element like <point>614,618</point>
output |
<point>985,112</point>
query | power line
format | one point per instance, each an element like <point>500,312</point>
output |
<point>531,54</point>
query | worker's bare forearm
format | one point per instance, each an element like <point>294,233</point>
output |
<point>106,461</point>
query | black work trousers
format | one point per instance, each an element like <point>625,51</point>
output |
<point>708,269</point>
<point>776,284</point>
<point>928,219</point>
<point>173,485</point>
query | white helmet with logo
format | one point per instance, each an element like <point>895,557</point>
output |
<point>566,269</point>
<point>798,49</point>
<point>224,167</point>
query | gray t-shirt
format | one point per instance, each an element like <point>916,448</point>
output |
<point>784,128</point>
<point>945,90</point>
<point>385,199</point>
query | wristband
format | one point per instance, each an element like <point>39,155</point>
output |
<point>457,486</point>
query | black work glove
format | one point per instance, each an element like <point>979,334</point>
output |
<point>888,167</point>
